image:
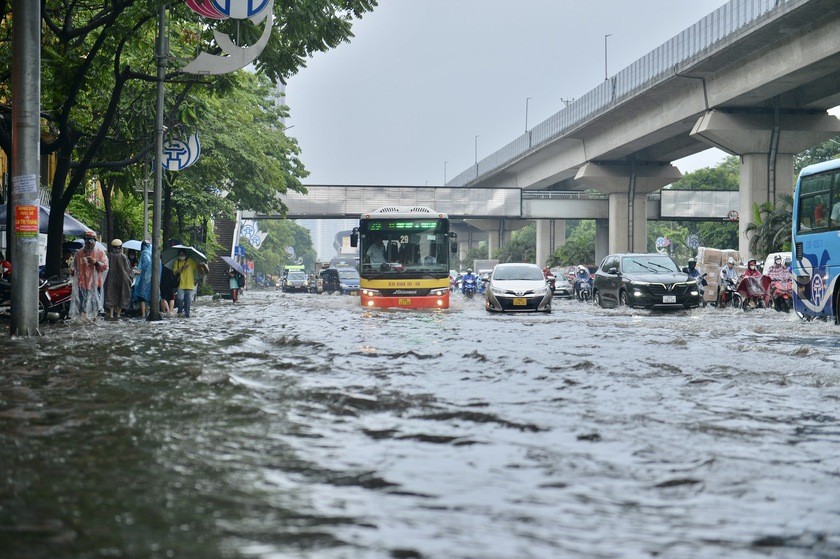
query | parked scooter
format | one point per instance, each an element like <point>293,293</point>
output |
<point>54,299</point>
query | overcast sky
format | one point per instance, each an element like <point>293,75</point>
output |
<point>422,78</point>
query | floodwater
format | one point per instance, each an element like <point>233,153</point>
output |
<point>302,426</point>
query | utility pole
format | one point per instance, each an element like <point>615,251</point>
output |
<point>162,52</point>
<point>26,164</point>
<point>526,113</point>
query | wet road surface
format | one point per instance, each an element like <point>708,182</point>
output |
<point>302,426</point>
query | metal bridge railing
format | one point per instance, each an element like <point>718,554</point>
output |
<point>733,18</point>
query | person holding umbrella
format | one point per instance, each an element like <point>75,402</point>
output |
<point>185,268</point>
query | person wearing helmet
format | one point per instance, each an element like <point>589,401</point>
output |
<point>728,272</point>
<point>751,289</point>
<point>468,276</point>
<point>581,276</point>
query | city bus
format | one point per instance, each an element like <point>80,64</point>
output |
<point>816,241</point>
<point>404,255</point>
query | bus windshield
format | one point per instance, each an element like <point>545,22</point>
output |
<point>389,247</point>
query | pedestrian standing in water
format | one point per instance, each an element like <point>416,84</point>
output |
<point>168,286</point>
<point>185,269</point>
<point>89,265</point>
<point>118,281</point>
<point>143,282</point>
<point>234,284</point>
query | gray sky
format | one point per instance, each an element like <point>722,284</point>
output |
<point>422,78</point>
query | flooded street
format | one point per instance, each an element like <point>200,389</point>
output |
<point>302,426</point>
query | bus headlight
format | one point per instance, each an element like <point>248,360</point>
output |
<point>439,292</point>
<point>370,293</point>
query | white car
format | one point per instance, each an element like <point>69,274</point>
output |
<point>517,288</point>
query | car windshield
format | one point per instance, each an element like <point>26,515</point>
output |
<point>297,276</point>
<point>654,264</point>
<point>518,273</point>
<point>349,274</point>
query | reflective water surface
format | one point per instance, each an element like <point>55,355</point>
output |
<point>302,426</point>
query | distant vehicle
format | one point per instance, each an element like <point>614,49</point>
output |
<point>648,281</point>
<point>405,253</point>
<point>342,280</point>
<point>571,272</point>
<point>345,262</point>
<point>296,280</point>
<point>562,287</point>
<point>516,288</point>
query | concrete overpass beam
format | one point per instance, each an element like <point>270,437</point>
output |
<point>766,143</point>
<point>627,185</point>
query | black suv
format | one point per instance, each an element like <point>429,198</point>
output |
<point>648,281</point>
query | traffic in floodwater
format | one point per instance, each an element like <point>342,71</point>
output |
<point>295,425</point>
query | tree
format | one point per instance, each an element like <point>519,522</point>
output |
<point>98,79</point>
<point>830,149</point>
<point>522,246</point>
<point>473,254</point>
<point>770,230</point>
<point>579,247</point>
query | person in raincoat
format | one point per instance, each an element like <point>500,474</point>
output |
<point>118,281</point>
<point>185,270</point>
<point>143,284</point>
<point>90,264</point>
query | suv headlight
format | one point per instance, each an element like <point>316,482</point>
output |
<point>640,283</point>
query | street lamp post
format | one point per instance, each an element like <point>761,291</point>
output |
<point>526,113</point>
<point>605,57</point>
<point>476,150</point>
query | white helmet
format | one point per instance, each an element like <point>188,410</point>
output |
<point>582,268</point>
<point>730,261</point>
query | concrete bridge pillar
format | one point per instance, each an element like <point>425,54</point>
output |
<point>463,248</point>
<point>492,242</point>
<point>602,240</point>
<point>551,233</point>
<point>627,185</point>
<point>766,143</point>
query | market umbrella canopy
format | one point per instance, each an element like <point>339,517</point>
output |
<point>132,245</point>
<point>234,264</point>
<point>170,255</point>
<point>72,226</point>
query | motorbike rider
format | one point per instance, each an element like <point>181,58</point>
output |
<point>581,276</point>
<point>778,273</point>
<point>468,276</point>
<point>695,273</point>
<point>753,292</point>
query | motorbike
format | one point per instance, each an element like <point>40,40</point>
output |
<point>781,293</point>
<point>469,288</point>
<point>729,295</point>
<point>752,292</point>
<point>584,289</point>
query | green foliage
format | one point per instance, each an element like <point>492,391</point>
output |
<point>830,149</point>
<point>522,246</point>
<point>86,212</point>
<point>473,254</point>
<point>579,247</point>
<point>272,256</point>
<point>770,230</point>
<point>725,176</point>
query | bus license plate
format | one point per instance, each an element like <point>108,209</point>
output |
<point>520,302</point>
<point>404,301</point>
<point>669,298</point>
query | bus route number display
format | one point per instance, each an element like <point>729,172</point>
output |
<point>400,225</point>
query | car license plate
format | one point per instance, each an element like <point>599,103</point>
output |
<point>354,293</point>
<point>520,302</point>
<point>669,298</point>
<point>404,301</point>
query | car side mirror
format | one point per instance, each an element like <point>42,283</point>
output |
<point>613,271</point>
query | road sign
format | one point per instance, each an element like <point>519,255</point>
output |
<point>694,241</point>
<point>239,250</point>
<point>732,215</point>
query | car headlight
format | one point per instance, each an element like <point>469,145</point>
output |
<point>498,291</point>
<point>640,283</point>
<point>439,292</point>
<point>343,286</point>
<point>691,282</point>
<point>541,291</point>
<point>288,282</point>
